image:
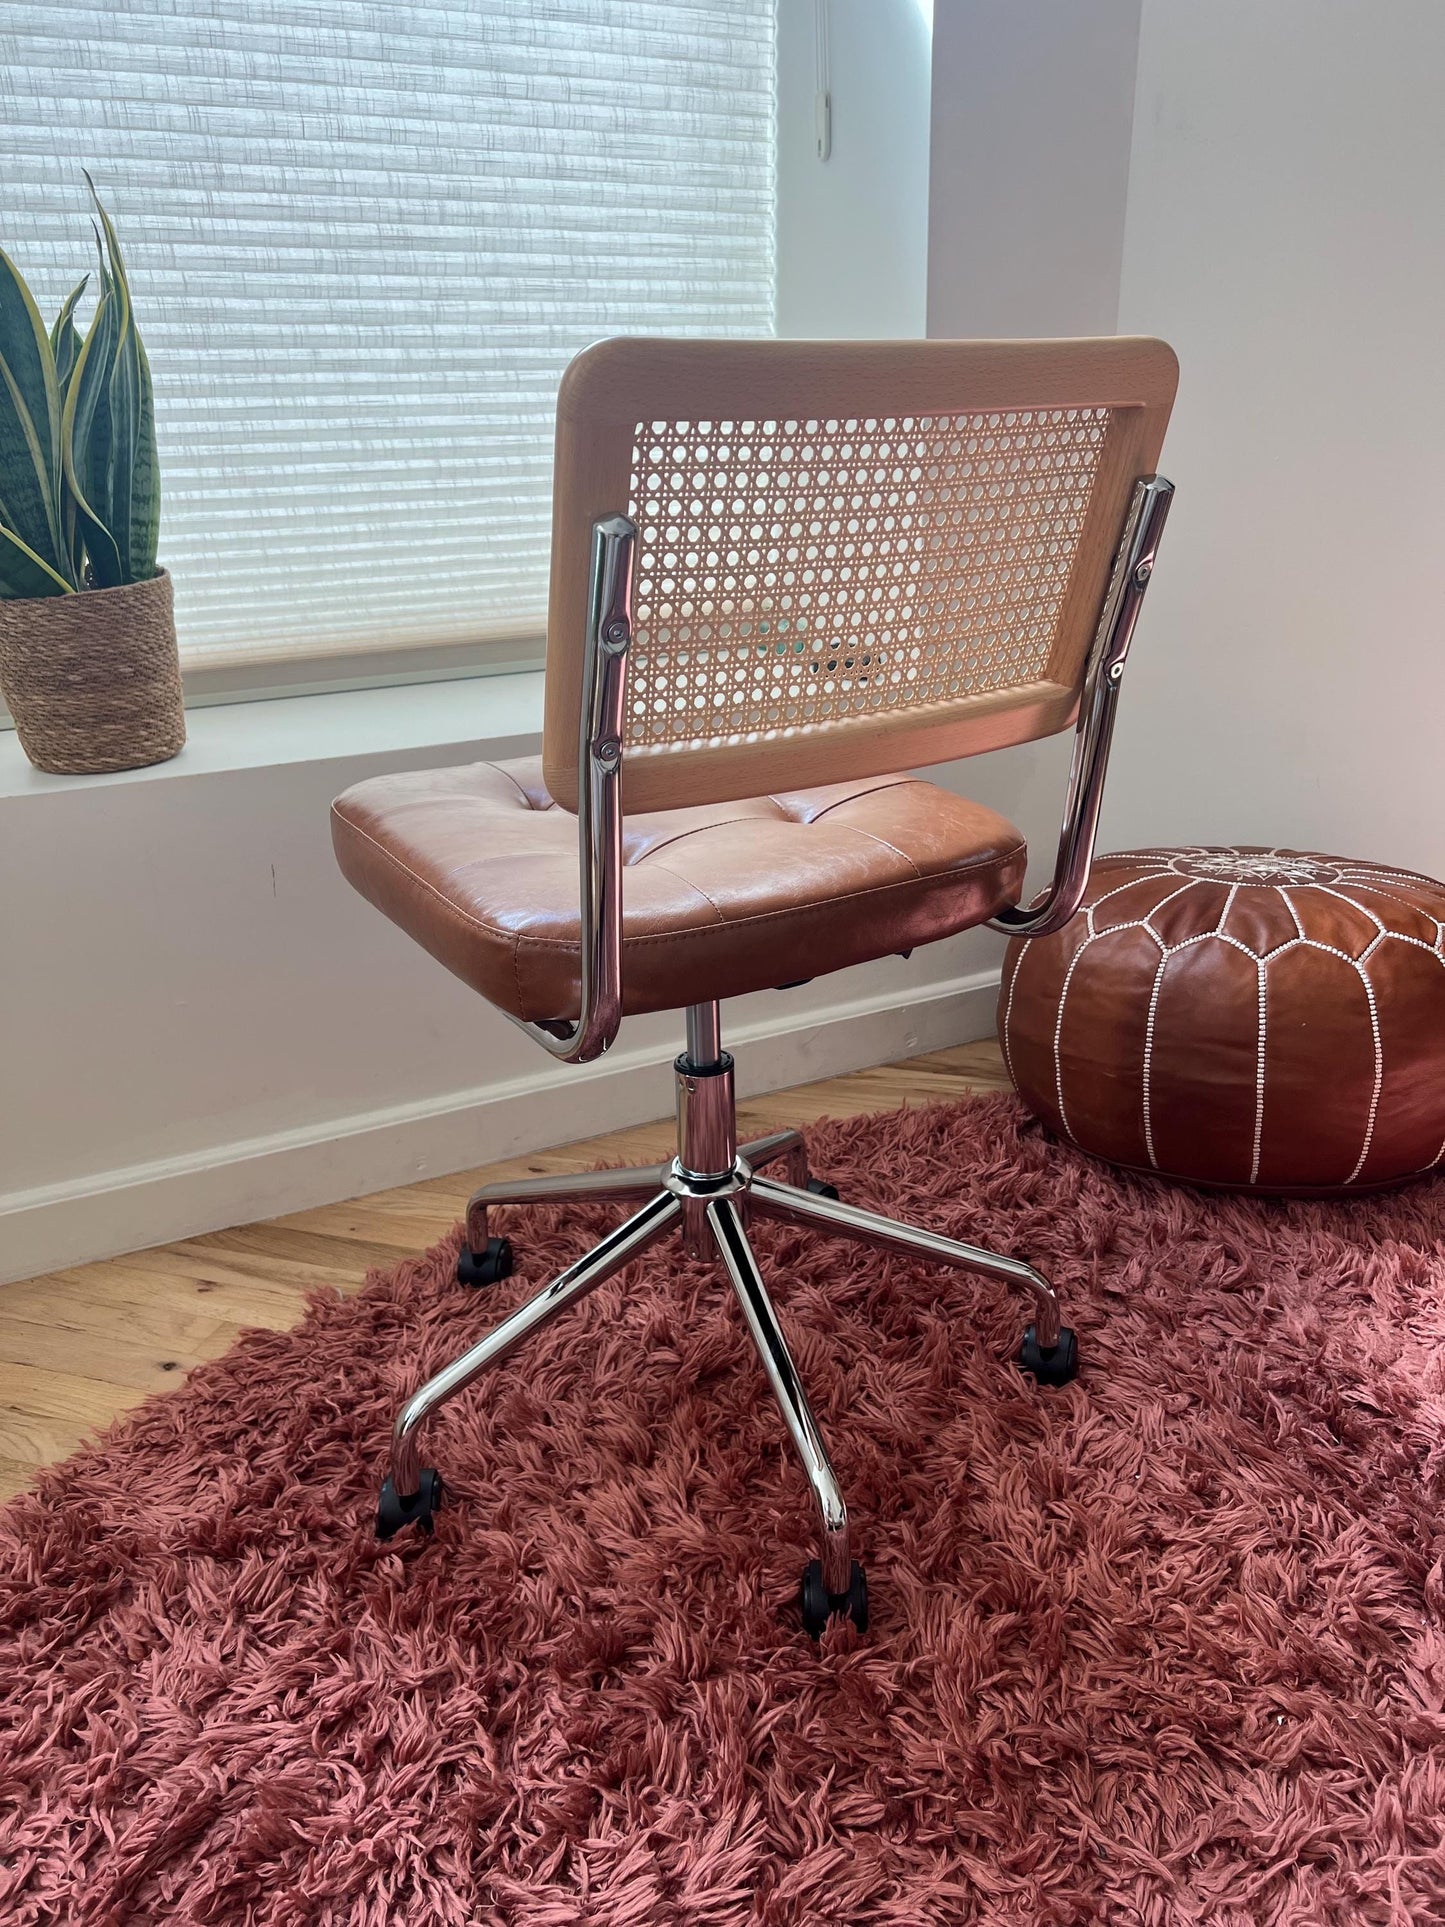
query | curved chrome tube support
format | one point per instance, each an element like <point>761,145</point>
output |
<point>569,1288</point>
<point>779,1147</point>
<point>792,1205</point>
<point>599,801</point>
<point>1133,566</point>
<point>772,1348</point>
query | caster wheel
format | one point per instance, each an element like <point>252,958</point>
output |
<point>486,1267</point>
<point>1054,1367</point>
<point>819,1605</point>
<point>820,1188</point>
<point>393,1512</point>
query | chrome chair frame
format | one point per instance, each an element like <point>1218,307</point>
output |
<point>1130,577</point>
<point>712,1188</point>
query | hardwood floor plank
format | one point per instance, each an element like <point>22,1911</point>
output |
<point>107,1303</point>
<point>16,1475</point>
<point>45,1414</point>
<point>82,1345</point>
<point>398,1228</point>
<point>147,1366</point>
<point>301,1254</point>
<point>157,1297</point>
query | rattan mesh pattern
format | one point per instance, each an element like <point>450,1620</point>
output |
<point>795,573</point>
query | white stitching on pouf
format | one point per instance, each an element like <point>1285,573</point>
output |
<point>1281,873</point>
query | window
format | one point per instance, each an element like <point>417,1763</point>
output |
<point>363,241</point>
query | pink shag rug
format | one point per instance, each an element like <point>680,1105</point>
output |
<point>1165,1646</point>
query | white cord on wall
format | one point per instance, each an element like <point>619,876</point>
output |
<point>823,92</point>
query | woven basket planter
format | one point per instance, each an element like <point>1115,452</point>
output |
<point>94,680</point>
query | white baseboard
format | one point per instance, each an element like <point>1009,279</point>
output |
<point>132,1206</point>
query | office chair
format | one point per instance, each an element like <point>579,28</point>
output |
<point>782,572</point>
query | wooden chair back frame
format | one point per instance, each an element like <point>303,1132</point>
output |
<point>850,557</point>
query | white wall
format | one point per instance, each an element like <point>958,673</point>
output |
<point>1286,231</point>
<point>853,230</point>
<point>1032,105</point>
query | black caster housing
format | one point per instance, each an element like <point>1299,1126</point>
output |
<point>820,1188</point>
<point>818,1605</point>
<point>487,1267</point>
<point>393,1512</point>
<point>1055,1366</point>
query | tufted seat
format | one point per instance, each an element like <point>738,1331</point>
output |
<point>479,865</point>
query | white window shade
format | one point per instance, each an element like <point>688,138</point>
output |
<point>363,242</point>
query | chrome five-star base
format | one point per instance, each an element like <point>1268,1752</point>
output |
<point>707,1194</point>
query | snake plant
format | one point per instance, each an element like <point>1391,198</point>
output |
<point>79,483</point>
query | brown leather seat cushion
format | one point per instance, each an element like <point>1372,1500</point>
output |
<point>1268,1019</point>
<point>479,865</point>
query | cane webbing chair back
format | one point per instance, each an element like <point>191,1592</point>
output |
<point>851,557</point>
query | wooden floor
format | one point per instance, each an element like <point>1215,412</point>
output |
<point>79,1347</point>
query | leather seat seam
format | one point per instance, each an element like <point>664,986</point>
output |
<point>681,836</point>
<point>688,884</point>
<point>667,936</point>
<point>517,969</point>
<point>733,924</point>
<point>897,783</point>
<point>532,809</point>
<point>793,910</point>
<point>883,842</point>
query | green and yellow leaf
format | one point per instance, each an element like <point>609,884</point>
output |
<point>85,441</point>
<point>132,508</point>
<point>24,573</point>
<point>144,518</point>
<point>29,420</point>
<point>65,337</point>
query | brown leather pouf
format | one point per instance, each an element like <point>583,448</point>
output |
<point>1266,1019</point>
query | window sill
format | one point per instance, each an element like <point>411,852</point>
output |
<point>483,716</point>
